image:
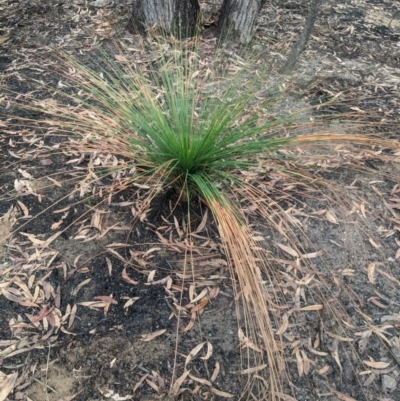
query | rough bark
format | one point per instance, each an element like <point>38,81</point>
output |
<point>238,18</point>
<point>304,36</point>
<point>178,17</point>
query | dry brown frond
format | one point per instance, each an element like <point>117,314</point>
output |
<point>356,139</point>
<point>249,268</point>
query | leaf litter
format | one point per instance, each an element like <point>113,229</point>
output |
<point>27,280</point>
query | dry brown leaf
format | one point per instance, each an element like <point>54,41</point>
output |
<point>337,337</point>
<point>25,174</point>
<point>72,316</point>
<point>153,335</point>
<point>306,362</point>
<point>375,244</point>
<point>388,276</point>
<point>162,239</point>
<point>177,228</point>
<point>75,291</point>
<point>312,307</point>
<point>153,385</point>
<point>7,384</point>
<point>67,332</point>
<point>126,278</point>
<point>300,364</point>
<point>284,325</point>
<point>109,265</point>
<point>192,290</point>
<point>93,304</point>
<point>254,369</point>
<point>380,331</point>
<point>203,223</point>
<point>193,353</point>
<point>376,301</point>
<point>323,370</point>
<point>106,299</point>
<point>362,208</point>
<point>215,372</point>
<point>200,296</point>
<point>330,216</point>
<point>121,58</point>
<point>221,393</point>
<point>24,209</point>
<point>200,307</point>
<point>20,351</point>
<point>178,383</point>
<point>33,239</point>
<point>130,301</point>
<point>335,353</point>
<point>246,342</point>
<point>42,314</point>
<point>258,238</point>
<point>341,396</point>
<point>395,317</point>
<point>371,273</point>
<point>312,255</point>
<point>365,335</point>
<point>319,353</point>
<point>10,294</point>
<point>209,352</point>
<point>376,364</point>
<point>150,277</point>
<point>161,281</point>
<point>288,250</point>
<point>191,322</point>
<point>115,253</point>
<point>139,383</point>
<point>200,380</point>
<point>370,379</point>
<point>23,287</point>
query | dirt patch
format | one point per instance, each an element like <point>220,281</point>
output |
<point>58,383</point>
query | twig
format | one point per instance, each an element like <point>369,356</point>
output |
<point>44,384</point>
<point>385,56</point>
<point>303,39</point>
<point>47,371</point>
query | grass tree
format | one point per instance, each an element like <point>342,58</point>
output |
<point>212,136</point>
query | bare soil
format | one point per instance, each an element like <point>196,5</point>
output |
<point>97,300</point>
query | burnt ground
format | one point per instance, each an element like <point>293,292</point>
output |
<point>96,299</point>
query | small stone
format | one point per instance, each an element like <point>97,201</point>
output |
<point>389,383</point>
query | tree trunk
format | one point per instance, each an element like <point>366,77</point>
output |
<point>178,17</point>
<point>304,36</point>
<point>238,18</point>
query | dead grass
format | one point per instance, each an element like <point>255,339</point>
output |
<point>298,287</point>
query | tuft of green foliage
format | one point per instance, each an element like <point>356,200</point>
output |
<point>178,122</point>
